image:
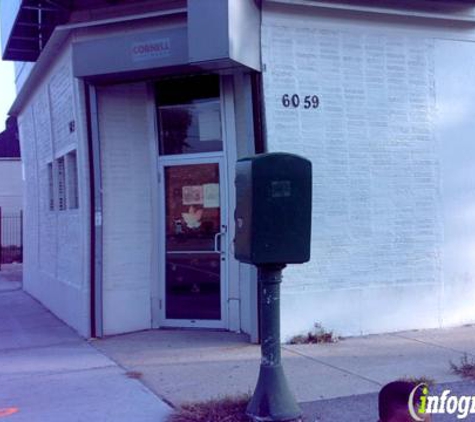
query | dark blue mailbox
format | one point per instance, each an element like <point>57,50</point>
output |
<point>273,209</point>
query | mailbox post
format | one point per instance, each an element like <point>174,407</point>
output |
<point>273,227</point>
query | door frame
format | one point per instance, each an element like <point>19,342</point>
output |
<point>184,160</point>
<point>233,274</point>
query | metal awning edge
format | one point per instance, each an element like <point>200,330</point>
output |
<point>375,10</point>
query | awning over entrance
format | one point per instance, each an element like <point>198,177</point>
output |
<point>216,35</point>
<point>218,31</point>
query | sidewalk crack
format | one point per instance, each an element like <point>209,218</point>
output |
<point>429,343</point>
<point>333,366</point>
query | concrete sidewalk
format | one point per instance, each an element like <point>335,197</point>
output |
<point>49,374</point>
<point>11,276</point>
<point>196,365</point>
<point>333,382</point>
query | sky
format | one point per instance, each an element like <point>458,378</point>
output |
<point>7,89</point>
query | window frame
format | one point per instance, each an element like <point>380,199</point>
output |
<point>72,180</point>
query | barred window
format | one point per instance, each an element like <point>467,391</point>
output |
<point>72,177</point>
<point>61,171</point>
<point>50,187</point>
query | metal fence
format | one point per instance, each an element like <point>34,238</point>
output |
<point>11,237</point>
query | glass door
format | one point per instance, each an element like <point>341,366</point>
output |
<point>194,244</point>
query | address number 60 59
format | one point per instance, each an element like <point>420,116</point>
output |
<point>294,101</point>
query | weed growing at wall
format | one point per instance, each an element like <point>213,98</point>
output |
<point>317,335</point>
<point>466,367</point>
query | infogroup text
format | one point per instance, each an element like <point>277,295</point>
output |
<point>445,403</point>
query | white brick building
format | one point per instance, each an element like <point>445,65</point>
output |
<point>132,115</point>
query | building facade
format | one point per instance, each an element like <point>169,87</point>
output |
<point>133,114</point>
<point>11,187</point>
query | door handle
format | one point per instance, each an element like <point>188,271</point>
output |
<point>217,239</point>
<point>217,236</point>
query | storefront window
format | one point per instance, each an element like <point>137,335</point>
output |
<point>189,115</point>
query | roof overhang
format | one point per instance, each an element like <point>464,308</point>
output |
<point>27,26</point>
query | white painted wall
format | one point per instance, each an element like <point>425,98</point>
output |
<point>22,71</point>
<point>54,241</point>
<point>127,207</point>
<point>393,239</point>
<point>11,186</point>
<point>455,129</point>
<point>11,200</point>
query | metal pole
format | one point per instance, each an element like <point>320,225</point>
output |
<point>272,399</point>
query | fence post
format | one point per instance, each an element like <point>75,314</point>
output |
<point>21,236</point>
<point>1,225</point>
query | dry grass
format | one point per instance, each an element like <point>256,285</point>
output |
<point>466,367</point>
<point>225,409</point>
<point>419,380</point>
<point>317,335</point>
<point>134,374</point>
